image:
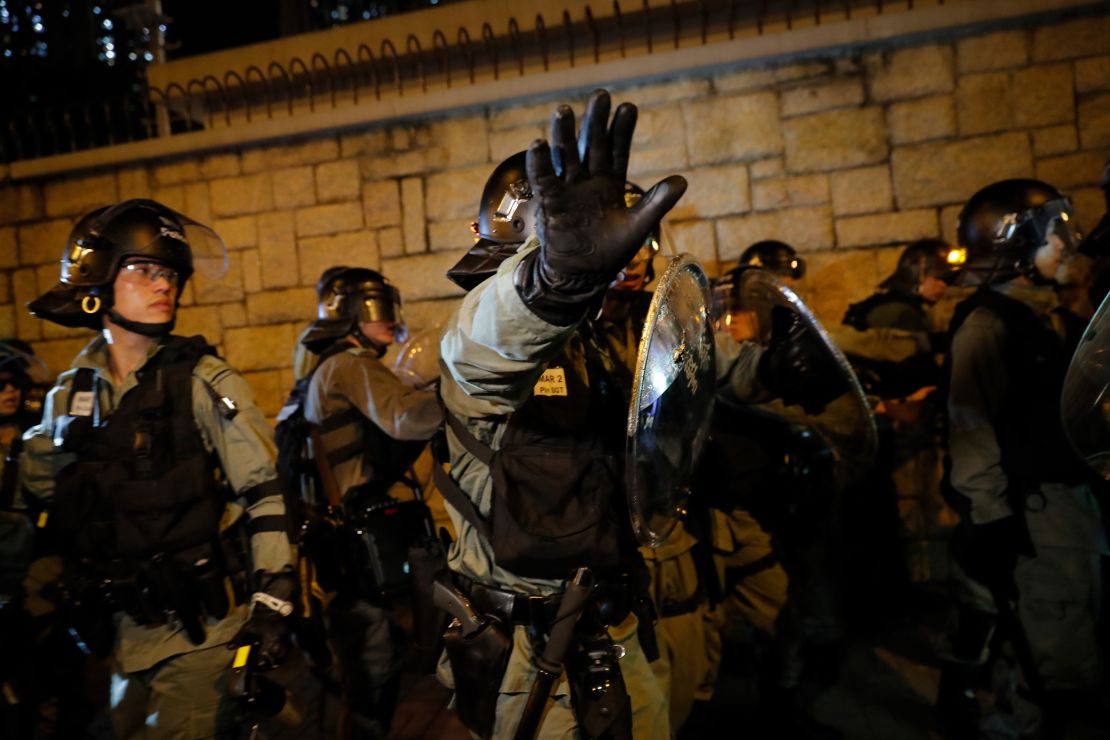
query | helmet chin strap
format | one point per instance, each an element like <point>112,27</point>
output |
<point>145,329</point>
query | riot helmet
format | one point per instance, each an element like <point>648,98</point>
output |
<point>921,261</point>
<point>1005,225</point>
<point>640,270</point>
<point>778,257</point>
<point>349,296</point>
<point>100,244</point>
<point>728,315</point>
<point>506,218</point>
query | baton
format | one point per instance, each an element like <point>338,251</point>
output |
<point>550,665</point>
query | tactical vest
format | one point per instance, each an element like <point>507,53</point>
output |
<point>350,435</point>
<point>558,493</point>
<point>143,486</point>
<point>1027,424</point>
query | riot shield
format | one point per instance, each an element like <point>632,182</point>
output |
<point>770,311</point>
<point>671,401</point>
<point>417,359</point>
<point>1085,401</point>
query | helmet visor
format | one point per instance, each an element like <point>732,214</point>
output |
<point>177,240</point>
<point>1054,217</point>
<point>382,303</point>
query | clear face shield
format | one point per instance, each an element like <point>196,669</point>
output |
<point>637,273</point>
<point>172,240</point>
<point>378,303</point>
<point>727,314</point>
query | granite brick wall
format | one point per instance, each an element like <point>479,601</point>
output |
<point>847,156</point>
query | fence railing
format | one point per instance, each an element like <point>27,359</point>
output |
<point>405,67</point>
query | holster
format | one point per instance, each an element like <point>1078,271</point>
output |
<point>478,665</point>
<point>599,696</point>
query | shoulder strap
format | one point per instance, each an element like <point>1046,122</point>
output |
<point>446,484</point>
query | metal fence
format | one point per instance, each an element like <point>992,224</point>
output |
<point>405,68</point>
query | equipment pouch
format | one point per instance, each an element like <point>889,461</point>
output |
<point>600,699</point>
<point>478,664</point>
<point>552,509</point>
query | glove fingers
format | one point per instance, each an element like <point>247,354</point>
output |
<point>540,168</point>
<point>620,138</point>
<point>564,150</point>
<point>651,209</point>
<point>593,144</point>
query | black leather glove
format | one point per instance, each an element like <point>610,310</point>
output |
<point>587,234</point>
<point>267,626</point>
<point>795,368</point>
<point>993,551</point>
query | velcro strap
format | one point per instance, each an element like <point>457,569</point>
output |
<point>689,605</point>
<point>271,523</point>
<point>224,405</point>
<point>469,442</point>
<point>342,454</point>
<point>254,494</point>
<point>350,415</point>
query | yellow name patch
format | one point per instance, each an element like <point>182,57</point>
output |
<point>553,382</point>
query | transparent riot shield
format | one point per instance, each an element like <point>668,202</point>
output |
<point>770,311</point>
<point>1085,401</point>
<point>672,400</point>
<point>417,359</point>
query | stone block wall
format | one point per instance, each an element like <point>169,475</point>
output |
<point>847,156</point>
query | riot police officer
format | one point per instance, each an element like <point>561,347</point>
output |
<point>371,428</point>
<point>521,376</point>
<point>1031,524</point>
<point>148,447</point>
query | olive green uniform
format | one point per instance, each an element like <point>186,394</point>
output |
<point>493,351</point>
<point>165,686</point>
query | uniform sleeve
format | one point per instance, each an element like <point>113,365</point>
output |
<point>368,385</point>
<point>245,447</point>
<point>977,384</point>
<point>40,461</point>
<point>494,348</point>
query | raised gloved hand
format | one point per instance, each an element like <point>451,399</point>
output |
<point>795,368</point>
<point>993,551</point>
<point>268,626</point>
<point>586,232</point>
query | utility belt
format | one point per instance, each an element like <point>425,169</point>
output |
<point>365,546</point>
<point>186,588</point>
<point>479,660</point>
<point>611,603</point>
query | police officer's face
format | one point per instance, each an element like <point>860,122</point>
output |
<point>1050,256</point>
<point>932,289</point>
<point>10,395</point>
<point>146,292</point>
<point>378,332</point>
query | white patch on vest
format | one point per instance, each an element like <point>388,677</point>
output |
<point>553,382</point>
<point>286,412</point>
<point>81,404</point>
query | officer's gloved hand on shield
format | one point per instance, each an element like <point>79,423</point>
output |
<point>795,369</point>
<point>587,234</point>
